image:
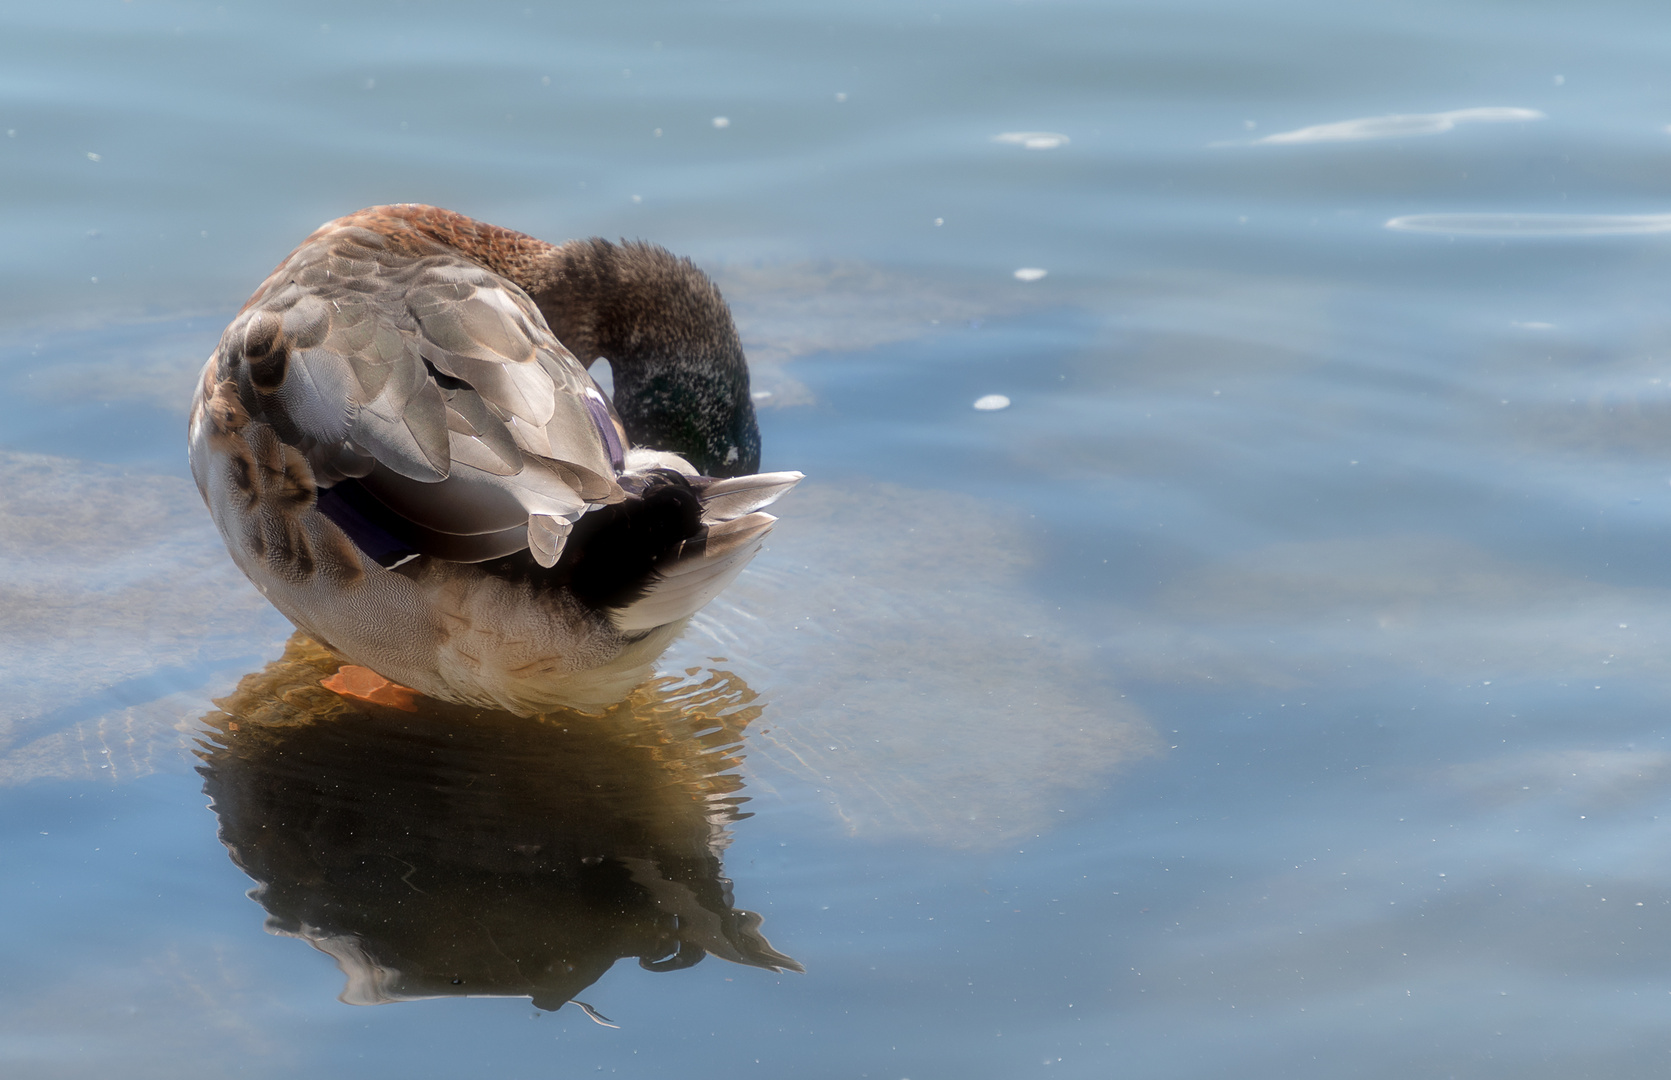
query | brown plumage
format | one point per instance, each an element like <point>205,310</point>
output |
<point>409,462</point>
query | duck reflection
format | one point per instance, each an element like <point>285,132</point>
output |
<point>457,851</point>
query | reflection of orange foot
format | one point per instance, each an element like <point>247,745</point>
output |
<point>364,684</point>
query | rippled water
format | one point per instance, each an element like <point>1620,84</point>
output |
<point>1276,686</point>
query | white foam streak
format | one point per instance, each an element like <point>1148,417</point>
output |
<point>1534,224</point>
<point>1033,140</point>
<point>1400,125</point>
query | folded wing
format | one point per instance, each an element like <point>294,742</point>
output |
<point>427,392</point>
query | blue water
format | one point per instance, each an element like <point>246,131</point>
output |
<point>1276,687</point>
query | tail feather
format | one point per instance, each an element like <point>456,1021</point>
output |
<point>698,575</point>
<point>724,500</point>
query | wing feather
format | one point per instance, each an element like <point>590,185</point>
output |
<point>434,382</point>
<point>405,428</point>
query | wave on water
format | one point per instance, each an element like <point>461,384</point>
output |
<point>1398,125</point>
<point>1500,224</point>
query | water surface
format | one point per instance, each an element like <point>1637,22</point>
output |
<point>1276,686</point>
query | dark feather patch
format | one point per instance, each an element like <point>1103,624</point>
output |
<point>611,555</point>
<point>240,469</point>
<point>268,371</point>
<point>374,528</point>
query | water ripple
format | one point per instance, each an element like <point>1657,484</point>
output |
<point>1477,224</point>
<point>1400,125</point>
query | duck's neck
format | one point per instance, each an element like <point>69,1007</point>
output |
<point>681,382</point>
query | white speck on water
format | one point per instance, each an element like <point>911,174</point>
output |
<point>371,84</point>
<point>1533,325</point>
<point>1033,140</point>
<point>545,80</point>
<point>93,157</point>
<point>992,403</point>
<point>1030,273</point>
<point>638,198</point>
<point>939,221</point>
<point>841,95</point>
<point>656,133</point>
<point>722,121</point>
<point>1560,80</point>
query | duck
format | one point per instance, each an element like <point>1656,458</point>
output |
<point>400,441</point>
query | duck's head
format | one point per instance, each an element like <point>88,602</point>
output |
<point>681,381</point>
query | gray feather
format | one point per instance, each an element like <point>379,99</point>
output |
<point>437,384</point>
<point>546,537</point>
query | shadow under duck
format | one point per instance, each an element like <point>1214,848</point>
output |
<point>400,443</point>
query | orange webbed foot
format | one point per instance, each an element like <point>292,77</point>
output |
<point>364,684</point>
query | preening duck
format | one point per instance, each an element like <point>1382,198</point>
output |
<point>401,445</point>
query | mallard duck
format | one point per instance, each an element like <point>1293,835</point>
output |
<point>401,445</point>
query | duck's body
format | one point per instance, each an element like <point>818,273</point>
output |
<point>408,462</point>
